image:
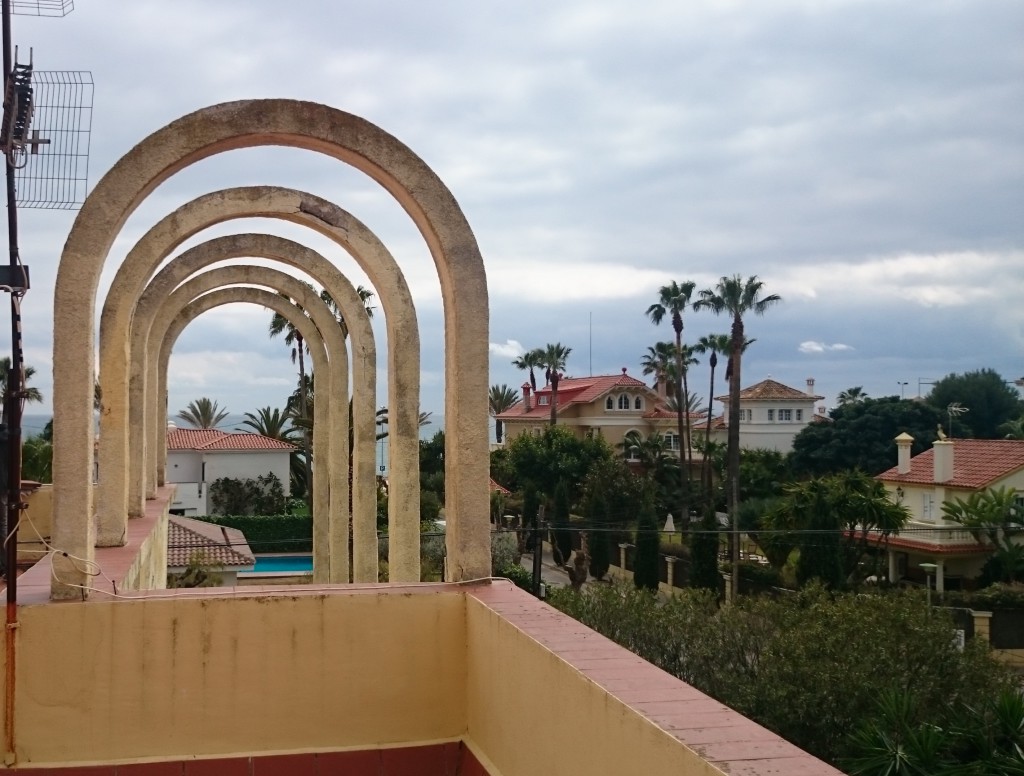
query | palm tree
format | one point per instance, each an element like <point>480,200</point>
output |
<point>530,360</point>
<point>202,413</point>
<point>553,358</point>
<point>713,344</point>
<point>854,395</point>
<point>30,394</point>
<point>652,453</point>
<point>673,300</point>
<point>735,297</point>
<point>656,361</point>
<point>364,294</point>
<point>279,324</point>
<point>272,423</point>
<point>500,399</point>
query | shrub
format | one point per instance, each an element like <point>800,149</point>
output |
<point>810,666</point>
<point>430,506</point>
<point>504,551</point>
<point>519,576</point>
<point>998,596</point>
<point>270,533</point>
<point>261,496</point>
<point>201,571</point>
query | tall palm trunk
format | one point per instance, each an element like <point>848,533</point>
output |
<point>554,396</point>
<point>682,429</point>
<point>733,495</point>
<point>706,468</point>
<point>305,431</point>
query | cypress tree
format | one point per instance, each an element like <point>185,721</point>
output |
<point>530,506</point>
<point>562,545</point>
<point>704,553</point>
<point>598,540</point>
<point>645,569</point>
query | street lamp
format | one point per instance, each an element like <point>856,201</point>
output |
<point>903,387</point>
<point>929,569</point>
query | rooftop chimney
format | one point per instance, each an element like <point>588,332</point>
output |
<point>903,443</point>
<point>810,386</point>
<point>943,460</point>
<point>526,397</point>
<point>171,426</point>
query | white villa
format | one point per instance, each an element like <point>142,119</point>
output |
<point>197,457</point>
<point>771,415</point>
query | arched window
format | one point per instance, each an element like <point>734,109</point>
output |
<point>623,402</point>
<point>609,404</point>
<point>638,404</point>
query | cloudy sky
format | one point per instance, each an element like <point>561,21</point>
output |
<point>864,158</point>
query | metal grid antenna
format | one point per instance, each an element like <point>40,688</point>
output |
<point>42,7</point>
<point>52,168</point>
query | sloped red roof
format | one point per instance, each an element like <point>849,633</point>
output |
<point>977,463</point>
<point>217,544</point>
<point>663,412</point>
<point>501,489</point>
<point>215,439</point>
<point>906,542</point>
<point>572,390</point>
<point>771,390</point>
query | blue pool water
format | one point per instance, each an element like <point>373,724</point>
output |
<point>292,564</point>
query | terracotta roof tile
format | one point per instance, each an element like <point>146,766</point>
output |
<point>220,545</point>
<point>214,439</point>
<point>770,390</point>
<point>977,463</point>
<point>572,390</point>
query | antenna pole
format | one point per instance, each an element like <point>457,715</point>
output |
<point>12,399</point>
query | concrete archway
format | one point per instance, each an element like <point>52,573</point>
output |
<point>314,127</point>
<point>223,296</point>
<point>148,414</point>
<point>400,318</point>
<point>331,456</point>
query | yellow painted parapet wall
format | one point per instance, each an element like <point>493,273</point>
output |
<point>249,672</point>
<point>193,675</point>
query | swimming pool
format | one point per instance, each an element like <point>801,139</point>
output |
<point>283,564</point>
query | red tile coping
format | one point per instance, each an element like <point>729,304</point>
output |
<point>723,737</point>
<point>446,759</point>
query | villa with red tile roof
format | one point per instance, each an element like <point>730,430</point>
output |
<point>605,405</point>
<point>771,415</point>
<point>197,457</point>
<point>951,469</point>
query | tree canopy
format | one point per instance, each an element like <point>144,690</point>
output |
<point>989,400</point>
<point>861,436</point>
<point>555,455</point>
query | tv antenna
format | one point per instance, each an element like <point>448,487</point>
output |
<point>44,138</point>
<point>955,410</point>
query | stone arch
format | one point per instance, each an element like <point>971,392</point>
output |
<point>344,229</point>
<point>330,481</point>
<point>223,296</point>
<point>364,363</point>
<point>314,127</point>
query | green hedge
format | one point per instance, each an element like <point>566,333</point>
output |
<point>270,533</point>
<point>998,596</point>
